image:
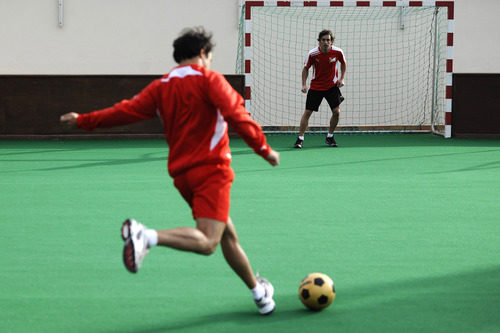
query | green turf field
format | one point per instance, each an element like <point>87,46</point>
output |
<point>408,227</point>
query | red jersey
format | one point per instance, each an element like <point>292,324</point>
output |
<point>195,104</point>
<point>325,67</point>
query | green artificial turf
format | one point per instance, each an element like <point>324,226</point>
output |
<point>406,225</point>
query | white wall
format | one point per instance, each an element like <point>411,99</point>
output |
<point>109,36</point>
<point>477,40</point>
<point>135,36</point>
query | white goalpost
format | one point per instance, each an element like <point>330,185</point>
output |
<point>399,63</point>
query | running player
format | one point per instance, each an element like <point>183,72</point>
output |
<point>195,105</point>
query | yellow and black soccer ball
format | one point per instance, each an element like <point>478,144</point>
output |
<point>317,291</point>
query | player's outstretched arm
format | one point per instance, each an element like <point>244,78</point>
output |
<point>141,107</point>
<point>273,158</point>
<point>68,120</point>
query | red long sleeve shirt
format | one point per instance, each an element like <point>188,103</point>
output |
<point>195,104</point>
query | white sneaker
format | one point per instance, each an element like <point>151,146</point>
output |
<point>266,304</point>
<point>136,244</point>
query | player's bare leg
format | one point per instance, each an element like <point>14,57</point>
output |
<point>304,122</point>
<point>203,239</point>
<point>262,290</point>
<point>334,120</point>
<point>235,256</point>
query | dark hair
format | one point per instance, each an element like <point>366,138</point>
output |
<point>326,32</point>
<point>190,43</point>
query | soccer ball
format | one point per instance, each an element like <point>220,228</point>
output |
<point>317,291</point>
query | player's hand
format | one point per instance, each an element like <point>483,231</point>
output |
<point>340,83</point>
<point>273,158</point>
<point>304,89</point>
<point>68,120</point>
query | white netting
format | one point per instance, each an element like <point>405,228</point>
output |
<point>395,76</point>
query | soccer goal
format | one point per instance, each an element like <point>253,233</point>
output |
<point>399,63</point>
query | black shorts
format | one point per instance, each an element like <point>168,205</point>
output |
<point>314,97</point>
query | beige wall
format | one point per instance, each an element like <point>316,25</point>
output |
<point>109,36</point>
<point>135,36</point>
<point>477,41</point>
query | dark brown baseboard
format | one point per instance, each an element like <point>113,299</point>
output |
<point>30,105</point>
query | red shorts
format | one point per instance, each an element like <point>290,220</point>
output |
<point>207,190</point>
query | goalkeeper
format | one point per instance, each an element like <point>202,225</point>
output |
<point>325,83</point>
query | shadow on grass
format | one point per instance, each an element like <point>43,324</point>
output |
<point>465,302</point>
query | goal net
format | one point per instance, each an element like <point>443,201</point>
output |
<point>398,74</point>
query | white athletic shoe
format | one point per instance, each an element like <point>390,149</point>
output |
<point>266,304</point>
<point>136,244</point>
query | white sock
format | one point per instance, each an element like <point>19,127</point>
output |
<point>258,292</point>
<point>330,135</point>
<point>152,237</point>
<point>301,137</point>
